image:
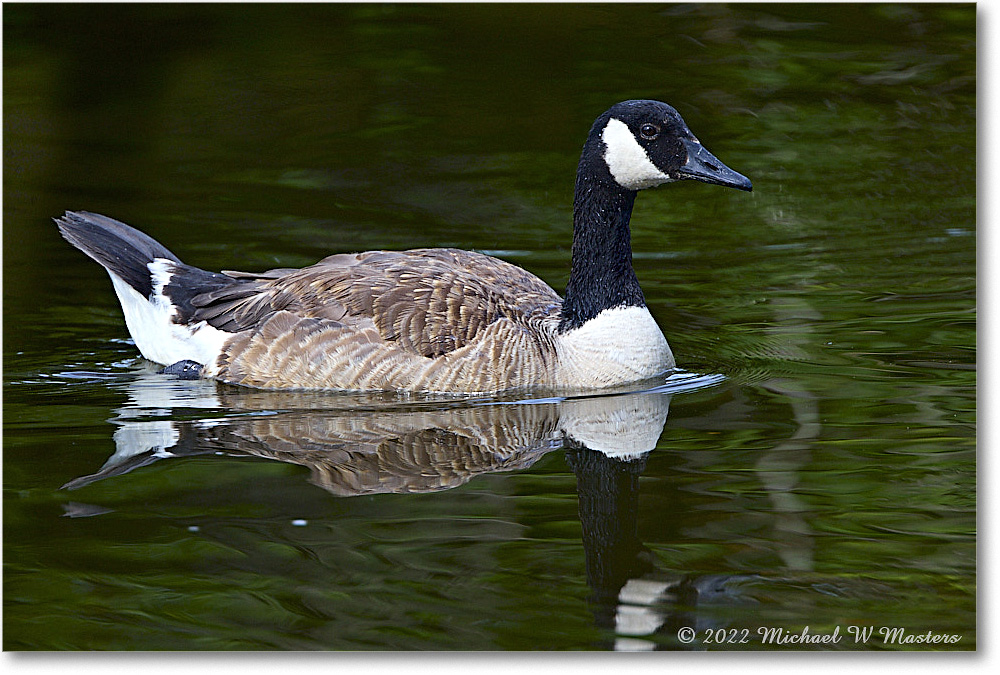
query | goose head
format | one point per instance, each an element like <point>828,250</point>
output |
<point>632,146</point>
<point>647,143</point>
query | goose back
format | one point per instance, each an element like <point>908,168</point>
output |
<point>434,319</point>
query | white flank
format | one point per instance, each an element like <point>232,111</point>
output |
<point>150,323</point>
<point>619,345</point>
<point>628,162</point>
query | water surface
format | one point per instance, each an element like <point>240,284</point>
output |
<point>811,465</point>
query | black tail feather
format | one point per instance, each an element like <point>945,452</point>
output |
<point>121,249</point>
<point>127,252</point>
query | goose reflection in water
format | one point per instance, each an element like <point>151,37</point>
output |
<point>374,443</point>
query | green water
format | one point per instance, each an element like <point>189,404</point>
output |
<point>813,465</point>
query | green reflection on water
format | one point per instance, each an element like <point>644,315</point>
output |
<point>830,481</point>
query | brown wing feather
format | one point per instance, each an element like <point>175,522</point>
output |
<point>427,301</point>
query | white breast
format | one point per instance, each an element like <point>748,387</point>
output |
<point>618,345</point>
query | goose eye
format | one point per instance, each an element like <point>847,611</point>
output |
<point>648,131</point>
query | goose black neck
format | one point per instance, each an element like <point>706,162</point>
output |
<point>601,276</point>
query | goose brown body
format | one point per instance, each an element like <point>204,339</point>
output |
<point>426,319</point>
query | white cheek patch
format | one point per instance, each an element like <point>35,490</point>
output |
<point>628,162</point>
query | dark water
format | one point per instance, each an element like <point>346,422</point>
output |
<point>812,466</point>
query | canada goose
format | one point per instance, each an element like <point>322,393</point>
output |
<point>441,320</point>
